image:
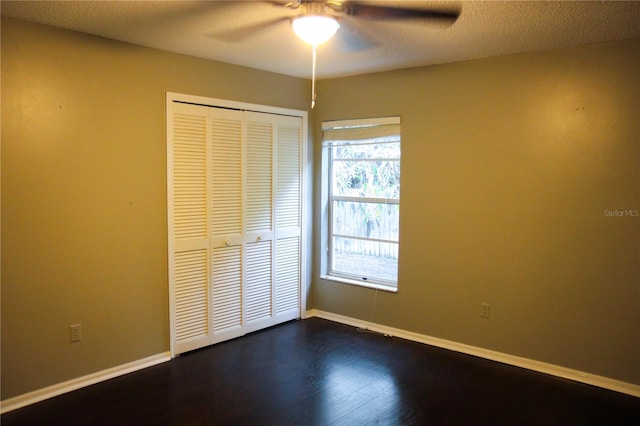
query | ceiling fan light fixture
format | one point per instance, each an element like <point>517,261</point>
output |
<point>315,29</point>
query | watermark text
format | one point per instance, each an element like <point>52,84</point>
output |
<point>622,213</point>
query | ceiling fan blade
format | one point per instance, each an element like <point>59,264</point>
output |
<point>351,38</point>
<point>369,11</point>
<point>235,35</point>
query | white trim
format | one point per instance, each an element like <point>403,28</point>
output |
<point>242,106</point>
<point>306,209</point>
<point>32,397</point>
<point>530,364</point>
<point>360,283</point>
<point>170,218</point>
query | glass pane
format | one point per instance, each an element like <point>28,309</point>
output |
<point>365,258</point>
<point>389,150</point>
<point>371,178</point>
<point>366,220</point>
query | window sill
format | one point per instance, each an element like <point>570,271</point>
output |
<point>381,287</point>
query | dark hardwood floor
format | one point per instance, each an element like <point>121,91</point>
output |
<point>316,372</point>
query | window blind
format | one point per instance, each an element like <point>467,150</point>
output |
<point>363,131</point>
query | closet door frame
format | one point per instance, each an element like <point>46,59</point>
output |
<point>305,187</point>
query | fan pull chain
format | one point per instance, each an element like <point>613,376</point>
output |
<point>313,79</point>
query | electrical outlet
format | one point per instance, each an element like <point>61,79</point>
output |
<point>75,333</point>
<point>485,310</point>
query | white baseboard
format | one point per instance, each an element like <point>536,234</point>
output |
<point>543,367</point>
<point>80,382</point>
<point>555,370</point>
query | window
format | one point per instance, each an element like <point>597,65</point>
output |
<point>362,199</point>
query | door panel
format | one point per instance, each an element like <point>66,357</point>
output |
<point>234,182</point>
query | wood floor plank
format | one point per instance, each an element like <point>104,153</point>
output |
<point>316,372</point>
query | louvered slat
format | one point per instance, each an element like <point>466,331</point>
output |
<point>189,176</point>
<point>191,302</point>
<point>288,177</point>
<point>258,278</point>
<point>287,274</point>
<point>226,175</point>
<point>226,288</point>
<point>259,183</point>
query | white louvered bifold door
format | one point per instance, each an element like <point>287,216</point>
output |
<point>189,240</point>
<point>234,181</point>
<point>225,207</point>
<point>258,215</point>
<point>288,186</point>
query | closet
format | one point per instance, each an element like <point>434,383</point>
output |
<point>234,192</point>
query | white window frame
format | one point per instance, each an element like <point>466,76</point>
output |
<point>326,242</point>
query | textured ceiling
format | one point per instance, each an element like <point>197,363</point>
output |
<point>484,29</point>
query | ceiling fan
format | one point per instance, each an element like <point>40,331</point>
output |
<point>316,21</point>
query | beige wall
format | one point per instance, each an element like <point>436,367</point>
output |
<point>84,195</point>
<point>508,166</point>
